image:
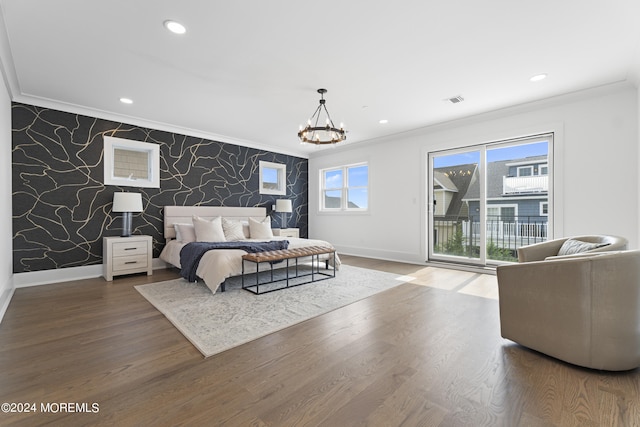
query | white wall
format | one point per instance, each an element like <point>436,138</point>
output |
<point>637,82</point>
<point>6,260</point>
<point>596,161</point>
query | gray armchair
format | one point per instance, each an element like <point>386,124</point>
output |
<point>582,309</point>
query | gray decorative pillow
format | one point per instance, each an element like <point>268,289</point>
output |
<point>572,246</point>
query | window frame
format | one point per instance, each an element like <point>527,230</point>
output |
<point>281,173</point>
<point>500,206</point>
<point>343,189</point>
<point>149,150</point>
<point>479,154</point>
<point>542,206</point>
<point>523,168</point>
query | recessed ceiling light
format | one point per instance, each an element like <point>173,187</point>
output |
<point>175,27</point>
<point>126,101</point>
<point>538,77</point>
<point>383,121</point>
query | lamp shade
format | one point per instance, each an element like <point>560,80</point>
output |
<point>127,202</point>
<point>283,205</point>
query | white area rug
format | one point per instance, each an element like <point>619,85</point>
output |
<point>218,322</point>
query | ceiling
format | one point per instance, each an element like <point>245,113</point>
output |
<point>247,72</point>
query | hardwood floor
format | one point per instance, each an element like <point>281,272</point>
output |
<point>426,353</point>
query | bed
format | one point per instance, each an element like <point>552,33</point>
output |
<point>183,224</point>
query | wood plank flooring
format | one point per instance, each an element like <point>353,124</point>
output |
<point>426,353</point>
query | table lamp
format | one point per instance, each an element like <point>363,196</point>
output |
<point>127,203</point>
<point>284,206</point>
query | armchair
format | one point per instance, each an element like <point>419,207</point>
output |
<point>583,309</point>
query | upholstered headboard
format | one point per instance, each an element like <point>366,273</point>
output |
<point>184,214</point>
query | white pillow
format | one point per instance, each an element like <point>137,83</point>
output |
<point>185,232</point>
<point>260,229</point>
<point>208,231</point>
<point>233,230</point>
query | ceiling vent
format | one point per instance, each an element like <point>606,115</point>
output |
<point>456,99</point>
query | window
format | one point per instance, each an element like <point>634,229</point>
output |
<point>525,171</point>
<point>345,188</point>
<point>544,208</point>
<point>130,163</point>
<point>502,212</point>
<point>273,178</point>
<point>544,170</point>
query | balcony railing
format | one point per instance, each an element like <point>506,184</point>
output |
<point>525,184</point>
<point>504,235</point>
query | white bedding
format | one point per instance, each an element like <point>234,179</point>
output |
<point>218,264</point>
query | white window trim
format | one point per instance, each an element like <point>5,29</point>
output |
<point>282,178</point>
<point>110,144</point>
<point>542,210</point>
<point>344,203</point>
<point>504,205</point>
<point>530,168</point>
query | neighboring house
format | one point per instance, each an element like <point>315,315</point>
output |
<point>517,201</point>
<point>449,187</point>
<point>450,184</point>
<point>336,203</point>
<point>517,207</point>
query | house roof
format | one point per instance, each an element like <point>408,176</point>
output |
<point>247,72</point>
<point>460,176</point>
<point>443,181</point>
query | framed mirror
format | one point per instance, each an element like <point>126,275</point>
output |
<point>273,178</point>
<point>131,163</point>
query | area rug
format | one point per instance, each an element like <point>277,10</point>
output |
<point>217,322</point>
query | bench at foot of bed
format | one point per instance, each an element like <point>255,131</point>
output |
<point>287,255</point>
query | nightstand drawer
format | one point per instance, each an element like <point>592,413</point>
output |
<point>286,232</point>
<point>129,248</point>
<point>129,262</point>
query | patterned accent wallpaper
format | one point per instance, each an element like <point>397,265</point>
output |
<point>62,209</point>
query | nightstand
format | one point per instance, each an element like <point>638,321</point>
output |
<point>126,255</point>
<point>286,232</point>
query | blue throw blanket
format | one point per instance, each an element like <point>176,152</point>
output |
<point>191,253</point>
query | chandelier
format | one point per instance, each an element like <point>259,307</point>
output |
<point>320,135</point>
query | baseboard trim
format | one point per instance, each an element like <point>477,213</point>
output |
<point>406,257</point>
<point>5,299</point>
<point>47,277</point>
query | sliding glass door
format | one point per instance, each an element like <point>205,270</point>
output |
<point>488,200</point>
